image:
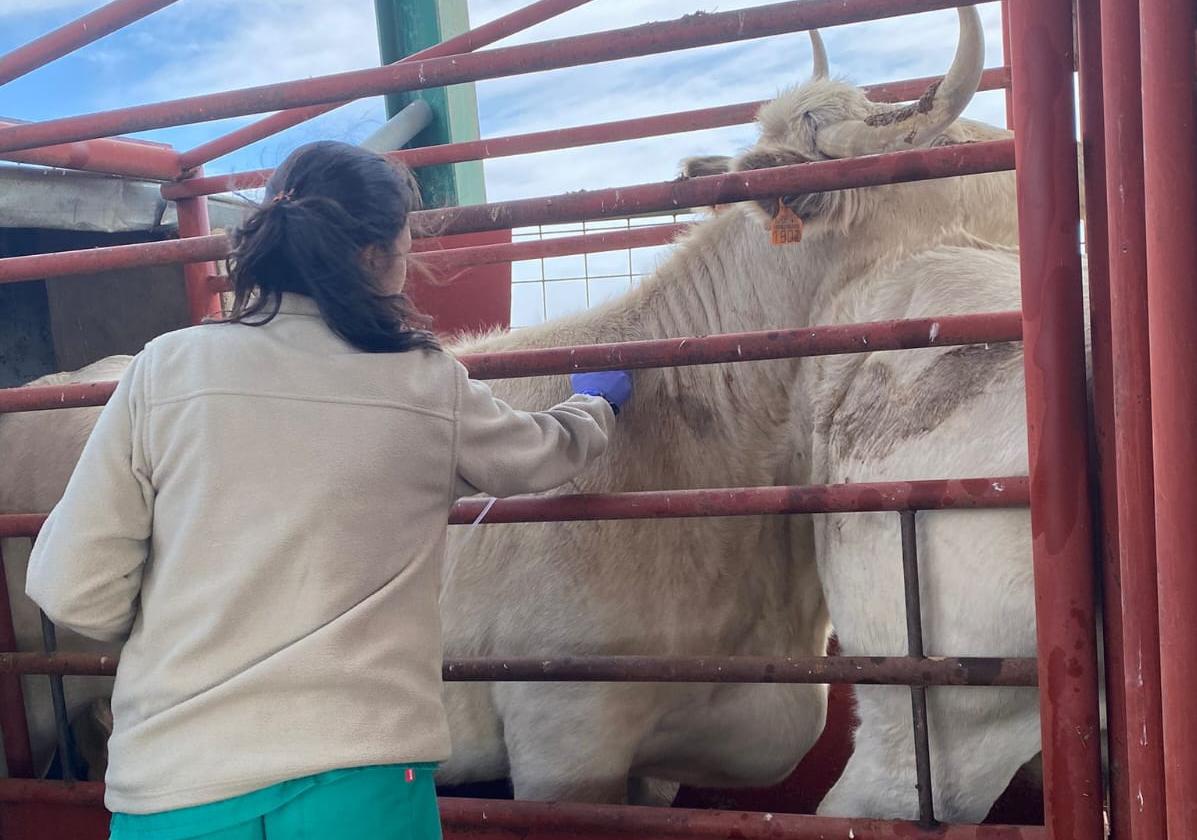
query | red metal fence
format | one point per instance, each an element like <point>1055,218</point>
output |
<point>1145,382</point>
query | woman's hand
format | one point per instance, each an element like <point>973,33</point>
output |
<point>615,386</point>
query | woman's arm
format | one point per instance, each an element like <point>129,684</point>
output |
<point>85,569</point>
<point>503,451</point>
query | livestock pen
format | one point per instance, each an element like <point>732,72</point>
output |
<point>1114,518</point>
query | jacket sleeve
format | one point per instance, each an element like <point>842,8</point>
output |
<point>86,566</point>
<point>503,452</point>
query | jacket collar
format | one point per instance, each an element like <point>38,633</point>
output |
<point>296,304</point>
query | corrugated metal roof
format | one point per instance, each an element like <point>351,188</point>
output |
<point>59,199</point>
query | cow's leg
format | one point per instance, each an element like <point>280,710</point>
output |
<point>477,734</point>
<point>655,793</point>
<point>735,735</point>
<point>573,742</point>
<point>979,738</point>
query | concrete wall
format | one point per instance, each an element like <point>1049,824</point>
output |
<point>26,346</point>
<point>65,323</point>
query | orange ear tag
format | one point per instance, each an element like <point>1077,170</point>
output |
<point>786,228</point>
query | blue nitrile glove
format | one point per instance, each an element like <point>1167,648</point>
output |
<point>615,386</point>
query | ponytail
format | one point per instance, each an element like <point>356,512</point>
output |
<point>310,239</point>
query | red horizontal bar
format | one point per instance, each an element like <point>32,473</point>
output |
<point>851,670</point>
<point>44,397</point>
<point>78,33</point>
<point>113,257</point>
<point>21,524</point>
<point>481,36</point>
<point>52,793</point>
<point>940,494</point>
<point>821,176</point>
<point>1001,492</point>
<point>648,39</point>
<point>133,158</point>
<point>560,820</point>
<point>949,330</point>
<point>586,135</point>
<point>591,243</point>
<point>446,260</point>
<point>711,190</point>
<point>452,259</point>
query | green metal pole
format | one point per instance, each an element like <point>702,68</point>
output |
<point>405,27</point>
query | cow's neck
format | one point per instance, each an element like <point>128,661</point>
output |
<point>711,425</point>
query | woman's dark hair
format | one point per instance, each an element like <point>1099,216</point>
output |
<point>324,207</point>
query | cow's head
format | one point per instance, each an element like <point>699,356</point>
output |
<point>824,119</point>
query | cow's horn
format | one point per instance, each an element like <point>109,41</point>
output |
<point>919,124</point>
<point>822,69</point>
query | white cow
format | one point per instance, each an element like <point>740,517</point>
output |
<point>927,414</point>
<point>701,587</point>
<point>717,586</point>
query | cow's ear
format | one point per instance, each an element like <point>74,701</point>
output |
<point>696,167</point>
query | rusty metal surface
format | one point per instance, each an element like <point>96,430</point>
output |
<point>710,190</point>
<point>996,492</point>
<point>444,261</point>
<point>575,136</point>
<point>753,346</point>
<point>967,493</point>
<point>1090,64</point>
<point>205,248</point>
<point>1057,415</point>
<point>114,257</point>
<point>849,670</point>
<point>950,330</point>
<point>134,158</point>
<point>194,226</point>
<point>1134,703</point>
<point>897,167</point>
<point>1170,180</point>
<point>914,648</point>
<point>473,817</point>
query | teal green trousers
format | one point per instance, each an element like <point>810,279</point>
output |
<point>395,802</point>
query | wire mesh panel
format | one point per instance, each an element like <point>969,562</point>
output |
<point>551,287</point>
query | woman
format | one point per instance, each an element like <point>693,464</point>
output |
<point>260,516</point>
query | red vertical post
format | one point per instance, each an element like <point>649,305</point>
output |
<point>1090,64</point>
<point>1139,676</point>
<point>193,221</point>
<point>1170,181</point>
<point>1041,35</point>
<point>18,753</point>
<point>1006,61</point>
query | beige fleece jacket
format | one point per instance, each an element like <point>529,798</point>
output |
<point>260,516</point>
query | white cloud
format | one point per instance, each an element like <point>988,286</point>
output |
<point>220,44</point>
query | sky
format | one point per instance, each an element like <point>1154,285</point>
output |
<point>203,46</point>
